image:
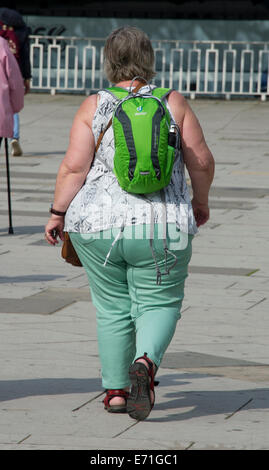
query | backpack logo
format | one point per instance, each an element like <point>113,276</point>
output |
<point>140,111</point>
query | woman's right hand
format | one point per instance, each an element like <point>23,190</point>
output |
<point>200,211</point>
<point>54,229</point>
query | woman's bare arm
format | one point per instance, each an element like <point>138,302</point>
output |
<point>197,156</point>
<point>75,165</point>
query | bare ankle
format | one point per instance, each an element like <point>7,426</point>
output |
<point>143,361</point>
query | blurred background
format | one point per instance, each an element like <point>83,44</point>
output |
<point>202,48</point>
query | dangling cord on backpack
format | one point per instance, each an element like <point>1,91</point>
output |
<point>118,237</point>
<point>159,274</point>
<point>166,251</point>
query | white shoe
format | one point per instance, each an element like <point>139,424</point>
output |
<point>16,148</point>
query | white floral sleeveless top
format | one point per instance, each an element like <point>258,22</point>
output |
<point>102,204</point>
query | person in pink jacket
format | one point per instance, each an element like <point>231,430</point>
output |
<point>11,89</point>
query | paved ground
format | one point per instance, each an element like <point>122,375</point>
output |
<point>214,379</point>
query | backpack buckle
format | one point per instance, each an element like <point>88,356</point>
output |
<point>131,174</point>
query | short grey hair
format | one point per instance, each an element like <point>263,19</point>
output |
<point>128,53</point>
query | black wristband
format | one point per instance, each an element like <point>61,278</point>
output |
<point>53,211</point>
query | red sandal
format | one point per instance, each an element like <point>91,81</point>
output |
<point>139,403</point>
<point>112,394</point>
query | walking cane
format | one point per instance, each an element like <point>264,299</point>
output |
<point>10,230</point>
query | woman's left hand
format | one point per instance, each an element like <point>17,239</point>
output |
<point>54,229</point>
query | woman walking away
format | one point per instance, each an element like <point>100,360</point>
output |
<point>11,89</point>
<point>132,235</point>
<point>16,32</point>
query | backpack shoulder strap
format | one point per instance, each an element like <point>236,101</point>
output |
<point>161,93</point>
<point>116,92</point>
<point>119,93</point>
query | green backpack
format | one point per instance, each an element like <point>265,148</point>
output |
<point>144,138</point>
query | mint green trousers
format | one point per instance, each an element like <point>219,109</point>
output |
<point>134,314</point>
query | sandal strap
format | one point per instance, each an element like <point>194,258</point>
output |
<point>111,393</point>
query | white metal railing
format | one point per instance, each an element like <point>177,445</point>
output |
<point>216,68</point>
